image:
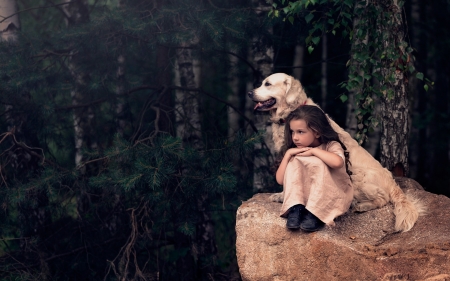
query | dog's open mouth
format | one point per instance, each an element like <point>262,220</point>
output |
<point>265,105</point>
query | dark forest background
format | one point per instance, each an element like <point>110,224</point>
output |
<point>127,140</point>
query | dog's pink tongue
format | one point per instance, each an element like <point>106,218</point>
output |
<point>257,105</point>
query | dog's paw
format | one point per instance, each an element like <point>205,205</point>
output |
<point>276,197</point>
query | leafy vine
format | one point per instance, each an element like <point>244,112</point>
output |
<point>377,56</point>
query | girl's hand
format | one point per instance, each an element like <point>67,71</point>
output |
<point>294,151</point>
<point>307,151</point>
<point>300,151</point>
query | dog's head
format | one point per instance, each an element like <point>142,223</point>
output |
<point>279,93</point>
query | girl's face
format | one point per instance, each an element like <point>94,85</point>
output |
<point>302,135</point>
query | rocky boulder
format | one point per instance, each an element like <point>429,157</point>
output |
<point>361,246</point>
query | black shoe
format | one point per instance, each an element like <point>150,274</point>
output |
<point>310,222</point>
<point>295,216</point>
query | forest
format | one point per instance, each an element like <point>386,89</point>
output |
<point>128,141</point>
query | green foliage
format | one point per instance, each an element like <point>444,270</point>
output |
<point>134,206</point>
<point>158,186</point>
<point>372,29</point>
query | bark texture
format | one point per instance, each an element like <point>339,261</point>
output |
<point>395,108</point>
<point>76,12</point>
<point>186,103</point>
<point>10,20</point>
<point>299,53</point>
<point>262,57</point>
<point>188,128</point>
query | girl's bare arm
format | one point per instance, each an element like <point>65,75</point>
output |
<point>331,159</point>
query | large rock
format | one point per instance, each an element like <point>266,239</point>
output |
<point>361,246</point>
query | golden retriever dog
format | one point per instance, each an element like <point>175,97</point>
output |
<point>374,186</point>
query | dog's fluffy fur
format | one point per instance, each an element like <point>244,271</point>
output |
<point>374,186</point>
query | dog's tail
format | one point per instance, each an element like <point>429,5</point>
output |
<point>407,208</point>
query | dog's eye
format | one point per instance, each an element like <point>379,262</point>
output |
<point>267,84</point>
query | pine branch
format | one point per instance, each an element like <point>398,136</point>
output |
<point>34,8</point>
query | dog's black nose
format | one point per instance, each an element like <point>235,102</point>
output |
<point>251,93</point>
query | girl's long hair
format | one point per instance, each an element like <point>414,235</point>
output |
<point>316,120</point>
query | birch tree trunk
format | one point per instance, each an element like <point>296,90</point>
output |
<point>10,22</point>
<point>9,27</point>
<point>394,101</point>
<point>299,53</point>
<point>76,12</point>
<point>262,57</point>
<point>188,128</point>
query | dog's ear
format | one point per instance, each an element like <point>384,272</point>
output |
<point>288,83</point>
<point>294,92</point>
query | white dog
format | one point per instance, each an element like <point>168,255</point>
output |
<point>374,186</point>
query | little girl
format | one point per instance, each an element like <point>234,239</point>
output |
<point>314,171</point>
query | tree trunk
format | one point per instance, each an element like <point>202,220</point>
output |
<point>324,73</point>
<point>9,33</point>
<point>188,126</point>
<point>76,12</point>
<point>233,98</point>
<point>10,26</point>
<point>33,215</point>
<point>298,62</point>
<point>120,101</point>
<point>163,79</point>
<point>120,88</point>
<point>438,71</point>
<point>262,57</point>
<point>189,130</point>
<point>419,168</point>
<point>395,103</point>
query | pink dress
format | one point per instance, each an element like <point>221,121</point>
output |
<point>325,192</point>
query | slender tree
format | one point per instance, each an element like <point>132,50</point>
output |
<point>394,99</point>
<point>384,59</point>
<point>262,56</point>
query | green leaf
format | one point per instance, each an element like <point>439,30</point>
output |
<point>310,49</point>
<point>343,98</point>
<point>316,40</point>
<point>309,17</point>
<point>344,33</point>
<point>425,87</point>
<point>334,32</point>
<point>291,19</point>
<point>419,75</point>
<point>274,5</point>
